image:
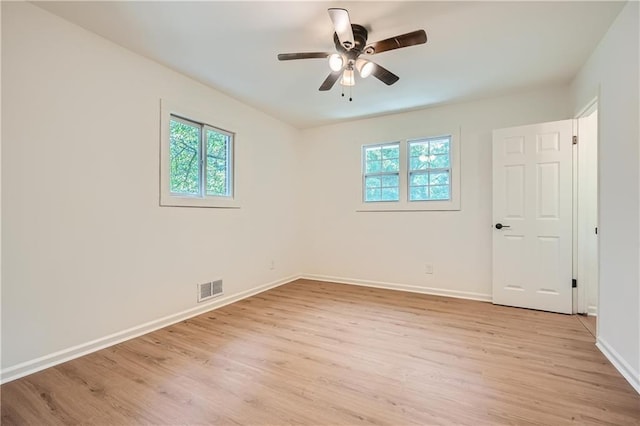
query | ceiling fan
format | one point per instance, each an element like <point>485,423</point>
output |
<point>351,42</point>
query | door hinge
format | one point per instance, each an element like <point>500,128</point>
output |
<point>574,283</point>
<point>575,140</point>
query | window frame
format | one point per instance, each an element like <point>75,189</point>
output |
<point>452,204</point>
<point>381,173</point>
<point>428,170</point>
<point>168,112</point>
<point>229,160</point>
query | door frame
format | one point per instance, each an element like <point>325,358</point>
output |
<point>581,295</point>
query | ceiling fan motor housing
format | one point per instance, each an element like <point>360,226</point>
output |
<point>360,40</point>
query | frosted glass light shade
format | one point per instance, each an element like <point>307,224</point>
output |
<point>335,62</point>
<point>364,67</point>
<point>348,78</point>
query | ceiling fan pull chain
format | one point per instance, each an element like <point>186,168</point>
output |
<point>350,98</point>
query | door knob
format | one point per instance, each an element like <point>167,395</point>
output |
<point>500,226</point>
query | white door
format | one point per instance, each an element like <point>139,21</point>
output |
<point>532,213</point>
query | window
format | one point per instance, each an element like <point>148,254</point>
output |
<point>382,172</point>
<point>197,164</point>
<point>430,169</point>
<point>414,174</point>
<point>189,175</point>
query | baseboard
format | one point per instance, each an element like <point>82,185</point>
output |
<point>402,287</point>
<point>592,311</point>
<point>632,376</point>
<point>50,360</point>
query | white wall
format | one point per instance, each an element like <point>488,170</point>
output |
<point>393,247</point>
<point>87,251</point>
<point>612,73</point>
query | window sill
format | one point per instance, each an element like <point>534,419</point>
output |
<point>409,206</point>
<point>214,203</point>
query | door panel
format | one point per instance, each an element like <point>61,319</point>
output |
<point>514,182</point>
<point>532,199</point>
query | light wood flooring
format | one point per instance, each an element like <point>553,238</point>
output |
<point>589,323</point>
<point>319,353</point>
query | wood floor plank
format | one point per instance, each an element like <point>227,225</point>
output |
<point>319,353</point>
<point>589,323</point>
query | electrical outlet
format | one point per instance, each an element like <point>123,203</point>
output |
<point>273,265</point>
<point>428,268</point>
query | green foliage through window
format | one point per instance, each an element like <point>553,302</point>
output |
<point>189,175</point>
<point>430,169</point>
<point>426,164</point>
<point>217,163</point>
<point>382,172</point>
<point>185,158</point>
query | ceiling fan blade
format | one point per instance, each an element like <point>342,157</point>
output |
<point>342,25</point>
<point>302,55</point>
<point>404,40</point>
<point>331,79</point>
<point>384,75</point>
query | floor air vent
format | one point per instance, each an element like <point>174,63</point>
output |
<point>210,290</point>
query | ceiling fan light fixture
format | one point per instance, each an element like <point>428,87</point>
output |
<point>364,67</point>
<point>348,78</point>
<point>336,62</point>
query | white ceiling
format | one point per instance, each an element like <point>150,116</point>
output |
<point>474,49</point>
